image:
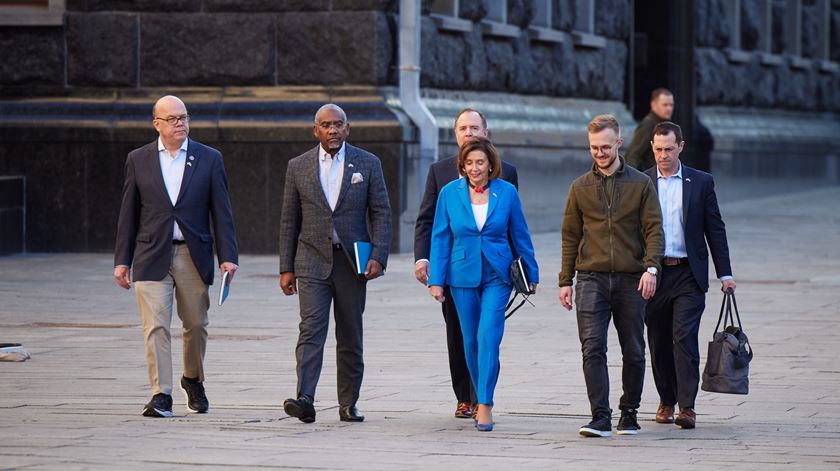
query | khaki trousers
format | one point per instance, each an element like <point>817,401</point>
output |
<point>154,300</point>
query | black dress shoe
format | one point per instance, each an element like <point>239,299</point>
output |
<point>350,414</point>
<point>301,408</point>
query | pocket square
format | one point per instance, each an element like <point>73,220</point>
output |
<point>356,178</point>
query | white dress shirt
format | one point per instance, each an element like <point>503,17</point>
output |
<point>480,214</point>
<point>173,174</point>
<point>331,175</point>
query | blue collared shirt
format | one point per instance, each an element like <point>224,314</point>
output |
<point>670,191</point>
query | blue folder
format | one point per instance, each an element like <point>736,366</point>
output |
<point>224,289</point>
<point>362,250</point>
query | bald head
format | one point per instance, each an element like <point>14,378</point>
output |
<point>168,100</point>
<point>171,121</point>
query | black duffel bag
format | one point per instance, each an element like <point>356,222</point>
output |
<point>728,362</point>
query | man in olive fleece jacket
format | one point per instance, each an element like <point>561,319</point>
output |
<point>612,237</point>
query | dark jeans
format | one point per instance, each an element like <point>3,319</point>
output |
<point>673,320</point>
<point>600,296</point>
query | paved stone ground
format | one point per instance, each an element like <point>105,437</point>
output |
<point>76,404</point>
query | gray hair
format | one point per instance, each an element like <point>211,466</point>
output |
<point>330,106</point>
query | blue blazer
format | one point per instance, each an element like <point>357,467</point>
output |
<point>703,225</point>
<point>144,230</point>
<point>457,244</point>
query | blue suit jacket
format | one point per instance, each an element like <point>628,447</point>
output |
<point>147,215</point>
<point>457,244</point>
<point>702,224</point>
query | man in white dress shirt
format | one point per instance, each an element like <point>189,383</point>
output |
<point>173,187</point>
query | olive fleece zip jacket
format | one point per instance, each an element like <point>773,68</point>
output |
<point>620,234</point>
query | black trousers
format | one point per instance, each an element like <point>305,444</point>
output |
<point>461,384</point>
<point>673,323</point>
<point>600,297</point>
<point>346,292</point>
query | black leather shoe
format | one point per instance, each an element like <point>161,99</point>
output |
<point>350,414</point>
<point>301,408</point>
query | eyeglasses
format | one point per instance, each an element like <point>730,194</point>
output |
<point>602,149</point>
<point>326,125</point>
<point>173,120</point>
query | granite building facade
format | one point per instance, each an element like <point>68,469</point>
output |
<point>78,77</point>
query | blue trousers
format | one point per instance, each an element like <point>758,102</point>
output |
<point>481,311</point>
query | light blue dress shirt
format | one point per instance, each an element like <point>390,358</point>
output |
<point>670,191</point>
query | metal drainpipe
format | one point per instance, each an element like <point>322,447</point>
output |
<point>410,88</point>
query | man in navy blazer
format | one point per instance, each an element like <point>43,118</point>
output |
<point>690,220</point>
<point>469,124</point>
<point>173,188</point>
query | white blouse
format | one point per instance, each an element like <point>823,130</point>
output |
<point>480,214</point>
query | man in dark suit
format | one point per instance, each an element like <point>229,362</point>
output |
<point>333,194</point>
<point>173,187</point>
<point>639,155</point>
<point>690,220</point>
<point>469,124</point>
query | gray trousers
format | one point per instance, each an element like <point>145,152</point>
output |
<point>346,292</point>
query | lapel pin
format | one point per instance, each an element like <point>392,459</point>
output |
<point>189,164</point>
<point>494,194</point>
<point>349,165</point>
<point>192,158</point>
<point>688,179</point>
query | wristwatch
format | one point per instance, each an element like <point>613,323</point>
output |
<point>652,270</point>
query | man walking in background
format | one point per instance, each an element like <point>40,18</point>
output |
<point>639,155</point>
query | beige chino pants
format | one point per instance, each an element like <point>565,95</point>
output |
<point>154,300</point>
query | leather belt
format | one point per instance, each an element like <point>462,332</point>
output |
<point>673,261</point>
<point>336,246</point>
<point>178,242</point>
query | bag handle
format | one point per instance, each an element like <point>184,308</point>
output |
<point>720,316</point>
<point>728,318</point>
<point>731,294</point>
<point>510,303</point>
<point>726,311</point>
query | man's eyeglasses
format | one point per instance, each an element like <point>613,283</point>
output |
<point>602,149</point>
<point>173,120</point>
<point>326,125</point>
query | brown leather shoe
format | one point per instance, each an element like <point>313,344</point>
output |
<point>665,414</point>
<point>464,410</point>
<point>687,418</point>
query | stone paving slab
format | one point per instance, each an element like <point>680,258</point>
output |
<point>76,403</point>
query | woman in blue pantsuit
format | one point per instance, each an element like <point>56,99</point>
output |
<point>477,219</point>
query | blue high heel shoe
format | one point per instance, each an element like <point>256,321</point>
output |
<point>484,427</point>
